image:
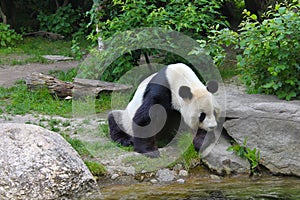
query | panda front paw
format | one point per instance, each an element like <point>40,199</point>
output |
<point>152,154</point>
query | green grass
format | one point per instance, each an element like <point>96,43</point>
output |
<point>95,168</point>
<point>103,103</point>
<point>78,145</point>
<point>104,129</point>
<point>31,50</point>
<point>19,100</point>
<point>188,156</point>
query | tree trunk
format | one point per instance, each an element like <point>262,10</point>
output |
<point>65,90</point>
<point>3,16</point>
<point>9,10</point>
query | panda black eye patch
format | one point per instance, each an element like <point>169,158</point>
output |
<point>202,117</point>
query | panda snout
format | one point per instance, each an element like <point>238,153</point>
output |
<point>211,125</point>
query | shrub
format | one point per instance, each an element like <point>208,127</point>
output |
<point>8,37</point>
<point>63,21</point>
<point>269,62</point>
<point>192,18</point>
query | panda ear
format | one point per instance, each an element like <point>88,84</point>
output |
<point>185,92</point>
<point>212,86</point>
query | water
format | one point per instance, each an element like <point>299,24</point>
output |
<point>204,187</point>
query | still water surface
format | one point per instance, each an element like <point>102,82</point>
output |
<point>202,188</point>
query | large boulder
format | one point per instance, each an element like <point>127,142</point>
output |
<point>39,164</point>
<point>271,125</point>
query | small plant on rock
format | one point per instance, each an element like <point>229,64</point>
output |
<point>252,155</point>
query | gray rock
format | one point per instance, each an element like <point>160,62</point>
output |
<point>222,161</point>
<point>114,176</point>
<point>181,181</point>
<point>153,181</point>
<point>183,173</point>
<point>214,177</point>
<point>165,175</point>
<point>39,164</point>
<point>271,125</point>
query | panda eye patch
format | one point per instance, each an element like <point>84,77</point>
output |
<point>202,117</point>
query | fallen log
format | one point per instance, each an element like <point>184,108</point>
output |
<point>66,90</point>
<point>49,35</point>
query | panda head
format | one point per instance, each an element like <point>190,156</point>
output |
<point>198,107</point>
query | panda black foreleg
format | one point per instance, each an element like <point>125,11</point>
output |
<point>144,139</point>
<point>146,146</point>
<point>199,139</point>
<point>116,133</point>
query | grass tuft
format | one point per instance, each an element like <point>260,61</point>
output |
<point>95,168</point>
<point>78,145</point>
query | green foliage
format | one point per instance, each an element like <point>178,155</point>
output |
<point>191,18</point>
<point>76,50</point>
<point>252,155</point>
<point>269,62</point>
<point>119,67</point>
<point>95,168</point>
<point>8,37</point>
<point>65,76</point>
<point>63,21</point>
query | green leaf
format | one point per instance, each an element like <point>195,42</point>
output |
<point>253,16</point>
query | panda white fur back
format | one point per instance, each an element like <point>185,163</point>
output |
<point>177,88</point>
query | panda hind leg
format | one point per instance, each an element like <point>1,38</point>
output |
<point>116,133</point>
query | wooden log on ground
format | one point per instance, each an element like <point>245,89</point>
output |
<point>65,90</point>
<point>52,36</point>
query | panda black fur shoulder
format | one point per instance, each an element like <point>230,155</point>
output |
<point>159,104</point>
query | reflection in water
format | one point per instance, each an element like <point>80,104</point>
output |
<point>196,187</point>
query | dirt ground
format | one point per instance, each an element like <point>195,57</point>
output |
<point>9,74</point>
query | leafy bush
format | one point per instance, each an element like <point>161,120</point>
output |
<point>269,61</point>
<point>192,18</point>
<point>8,37</point>
<point>63,21</point>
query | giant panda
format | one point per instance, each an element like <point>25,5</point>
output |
<point>161,102</point>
